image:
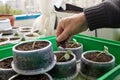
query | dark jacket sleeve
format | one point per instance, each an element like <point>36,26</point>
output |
<point>104,15</point>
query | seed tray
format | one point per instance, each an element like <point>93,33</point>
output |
<point>89,43</point>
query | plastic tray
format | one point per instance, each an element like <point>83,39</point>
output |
<point>89,43</point>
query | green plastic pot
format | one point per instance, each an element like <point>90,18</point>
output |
<point>33,62</point>
<point>64,70</point>
<point>91,69</point>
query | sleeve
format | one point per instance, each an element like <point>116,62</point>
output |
<point>104,15</point>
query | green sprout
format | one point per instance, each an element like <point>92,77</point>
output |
<point>23,39</point>
<point>16,34</point>
<point>66,55</point>
<point>40,32</point>
<point>105,51</point>
<point>75,42</point>
<point>33,45</point>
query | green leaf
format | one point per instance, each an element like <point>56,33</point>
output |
<point>66,56</point>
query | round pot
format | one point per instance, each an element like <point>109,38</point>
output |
<point>25,28</point>
<point>3,41</point>
<point>31,36</point>
<point>7,34</point>
<point>77,51</point>
<point>6,73</point>
<point>92,69</point>
<point>33,62</point>
<point>66,70</point>
<point>23,32</point>
<point>18,76</point>
<point>14,39</point>
<point>15,29</point>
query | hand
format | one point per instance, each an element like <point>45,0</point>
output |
<point>69,26</point>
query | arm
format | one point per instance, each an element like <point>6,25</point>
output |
<point>104,15</point>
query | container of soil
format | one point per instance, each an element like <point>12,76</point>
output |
<point>95,63</point>
<point>44,76</point>
<point>14,39</point>
<point>25,28</point>
<point>40,33</point>
<point>3,41</point>
<point>15,29</point>
<point>74,46</point>
<point>65,67</point>
<point>7,34</point>
<point>31,36</point>
<point>23,32</point>
<point>6,70</point>
<point>33,57</point>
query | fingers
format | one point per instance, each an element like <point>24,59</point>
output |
<point>63,36</point>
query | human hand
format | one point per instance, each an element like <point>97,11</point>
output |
<point>69,26</point>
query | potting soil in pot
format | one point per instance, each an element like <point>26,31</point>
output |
<point>28,46</point>
<point>6,63</point>
<point>34,77</point>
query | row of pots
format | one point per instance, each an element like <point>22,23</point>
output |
<point>20,34</point>
<point>36,60</point>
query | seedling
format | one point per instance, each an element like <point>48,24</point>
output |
<point>105,51</point>
<point>16,34</point>
<point>75,42</point>
<point>23,39</point>
<point>33,45</point>
<point>40,32</point>
<point>66,55</point>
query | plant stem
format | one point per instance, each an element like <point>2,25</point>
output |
<point>33,45</point>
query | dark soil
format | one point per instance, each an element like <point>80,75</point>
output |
<point>66,44</point>
<point>15,27</point>
<point>36,31</point>
<point>24,31</point>
<point>35,77</point>
<point>3,39</point>
<point>61,54</point>
<point>28,46</point>
<point>14,38</point>
<point>26,28</point>
<point>101,58</point>
<point>6,34</point>
<point>30,35</point>
<point>6,63</point>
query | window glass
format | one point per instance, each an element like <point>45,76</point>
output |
<point>17,7</point>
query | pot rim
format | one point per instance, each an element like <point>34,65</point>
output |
<point>81,46</point>
<point>90,61</point>
<point>4,59</point>
<point>14,47</point>
<point>67,62</point>
<point>50,77</point>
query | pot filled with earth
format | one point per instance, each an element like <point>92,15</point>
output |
<point>7,34</point>
<point>6,70</point>
<point>44,76</point>
<point>40,33</point>
<point>65,67</point>
<point>14,39</point>
<point>95,63</point>
<point>74,46</point>
<point>15,29</point>
<point>3,41</point>
<point>33,57</point>
<point>23,32</point>
<point>31,36</point>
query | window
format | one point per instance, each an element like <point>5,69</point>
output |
<point>18,7</point>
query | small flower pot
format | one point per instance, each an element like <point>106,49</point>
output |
<point>3,41</point>
<point>25,28</point>
<point>15,29</point>
<point>77,50</point>
<point>94,64</point>
<point>14,39</point>
<point>6,70</point>
<point>64,70</point>
<point>44,76</point>
<point>23,32</point>
<point>29,60</point>
<point>31,36</point>
<point>7,34</point>
<point>40,33</point>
